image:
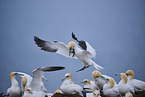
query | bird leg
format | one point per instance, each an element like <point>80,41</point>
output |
<point>83,68</point>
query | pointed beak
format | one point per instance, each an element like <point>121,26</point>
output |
<point>117,74</point>
<point>44,78</point>
<point>17,74</point>
<point>82,82</point>
<point>63,79</point>
<point>30,92</point>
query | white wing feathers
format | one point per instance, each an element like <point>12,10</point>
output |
<point>58,47</point>
<point>91,50</point>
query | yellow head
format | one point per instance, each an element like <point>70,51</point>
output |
<point>58,91</point>
<point>24,81</point>
<point>124,77</point>
<point>96,93</point>
<point>96,74</point>
<point>111,82</point>
<point>86,81</point>
<point>130,73</point>
<point>128,94</point>
<point>28,90</point>
<point>72,44</point>
<point>13,74</point>
<point>67,76</point>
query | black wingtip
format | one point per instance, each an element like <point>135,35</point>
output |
<point>74,37</point>
<point>53,68</point>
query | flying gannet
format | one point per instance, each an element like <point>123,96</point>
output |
<point>34,87</point>
<point>71,50</point>
<point>111,89</point>
<point>123,85</point>
<point>100,79</point>
<point>68,88</point>
<point>137,84</point>
<point>14,90</point>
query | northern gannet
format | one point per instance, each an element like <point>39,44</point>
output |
<point>99,79</point>
<point>123,85</point>
<point>35,90</point>
<point>14,90</point>
<point>137,84</point>
<point>96,93</point>
<point>28,78</point>
<point>89,85</point>
<point>71,50</point>
<point>68,88</point>
<point>111,89</point>
<point>128,94</point>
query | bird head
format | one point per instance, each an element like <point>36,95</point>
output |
<point>130,73</point>
<point>28,90</point>
<point>123,76</point>
<point>71,46</point>
<point>96,74</point>
<point>85,81</point>
<point>96,93</point>
<point>67,76</point>
<point>14,74</point>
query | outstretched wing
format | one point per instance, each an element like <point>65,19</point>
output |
<point>85,46</point>
<point>38,74</point>
<point>58,47</point>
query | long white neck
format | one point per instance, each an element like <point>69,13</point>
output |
<point>14,82</point>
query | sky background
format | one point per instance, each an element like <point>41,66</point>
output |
<point>114,28</point>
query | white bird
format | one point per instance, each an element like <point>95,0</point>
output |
<point>128,94</point>
<point>68,88</point>
<point>111,89</point>
<point>100,79</point>
<point>137,84</point>
<point>71,50</point>
<point>96,93</point>
<point>26,80</point>
<point>89,85</point>
<point>14,90</point>
<point>123,85</point>
<point>35,90</point>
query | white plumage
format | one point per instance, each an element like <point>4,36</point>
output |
<point>14,90</point>
<point>100,79</point>
<point>35,84</point>
<point>124,86</point>
<point>137,84</point>
<point>71,50</point>
<point>68,88</point>
<point>111,89</point>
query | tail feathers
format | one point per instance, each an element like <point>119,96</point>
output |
<point>98,67</point>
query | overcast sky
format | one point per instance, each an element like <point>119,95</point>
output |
<point>115,29</point>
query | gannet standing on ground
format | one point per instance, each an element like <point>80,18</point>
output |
<point>89,85</point>
<point>14,90</point>
<point>111,89</point>
<point>137,84</point>
<point>100,79</point>
<point>68,88</point>
<point>35,90</point>
<point>71,51</point>
<point>28,78</point>
<point>123,85</point>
